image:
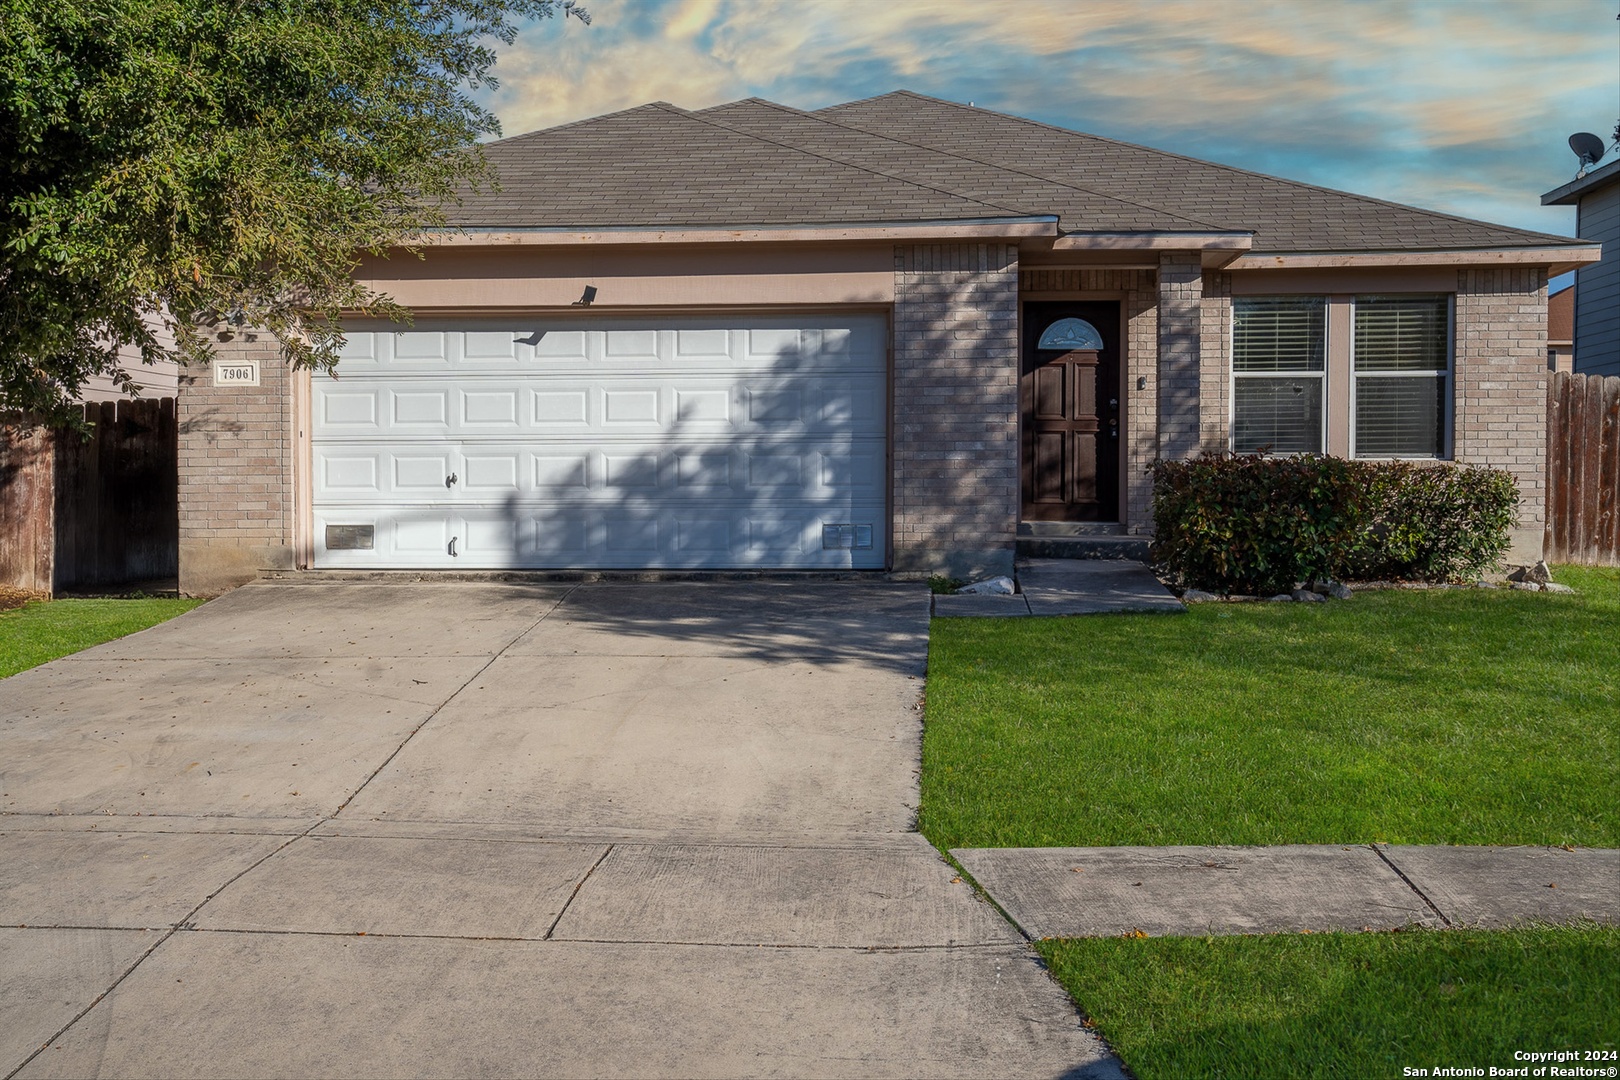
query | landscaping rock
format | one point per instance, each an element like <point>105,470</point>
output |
<point>1339,590</point>
<point>1282,596</point>
<point>1307,596</point>
<point>996,586</point>
<point>1553,586</point>
<point>1198,596</point>
<point>1524,586</point>
<point>1242,599</point>
<point>1538,574</point>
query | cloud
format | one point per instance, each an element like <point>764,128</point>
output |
<point>1459,107</point>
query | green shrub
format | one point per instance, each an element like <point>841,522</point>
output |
<point>1257,524</point>
<point>1434,522</point>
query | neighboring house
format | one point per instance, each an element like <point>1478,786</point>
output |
<point>160,380</point>
<point>1561,330</point>
<point>1596,198</point>
<point>883,335</point>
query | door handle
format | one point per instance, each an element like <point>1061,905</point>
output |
<point>453,554</point>
<point>450,481</point>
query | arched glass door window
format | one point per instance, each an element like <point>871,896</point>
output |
<point>1071,334</point>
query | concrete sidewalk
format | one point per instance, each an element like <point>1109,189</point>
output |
<point>328,829</point>
<point>1189,891</point>
<point>1069,587</point>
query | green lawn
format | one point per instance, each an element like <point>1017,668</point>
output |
<point>32,635</point>
<point>1441,717</point>
<point>1346,1005</point>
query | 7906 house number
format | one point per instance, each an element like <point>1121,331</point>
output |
<point>236,373</point>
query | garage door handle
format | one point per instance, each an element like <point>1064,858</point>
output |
<point>453,547</point>
<point>450,481</point>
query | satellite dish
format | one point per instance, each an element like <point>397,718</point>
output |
<point>1587,147</point>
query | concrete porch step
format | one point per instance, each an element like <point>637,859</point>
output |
<point>1083,547</point>
<point>1070,528</point>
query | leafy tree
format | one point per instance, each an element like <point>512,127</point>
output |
<point>172,167</point>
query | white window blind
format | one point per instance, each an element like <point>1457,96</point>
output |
<point>1279,349</point>
<point>1402,358</point>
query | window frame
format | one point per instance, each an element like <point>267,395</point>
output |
<point>1233,375</point>
<point>1445,377</point>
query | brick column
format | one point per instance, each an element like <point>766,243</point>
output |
<point>1141,406</point>
<point>955,452</point>
<point>1181,291</point>
<point>236,471</point>
<point>1215,345</point>
<point>1500,417</point>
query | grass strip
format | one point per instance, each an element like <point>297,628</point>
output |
<point>1462,716</point>
<point>37,633</point>
<point>1346,1005</point>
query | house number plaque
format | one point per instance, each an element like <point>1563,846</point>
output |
<point>236,373</point>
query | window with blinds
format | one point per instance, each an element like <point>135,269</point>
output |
<point>1402,365</point>
<point>1279,352</point>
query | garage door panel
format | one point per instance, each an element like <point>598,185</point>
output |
<point>752,470</point>
<point>491,409</point>
<point>515,536</point>
<point>633,406</point>
<point>560,409</point>
<point>507,406</point>
<point>711,407</point>
<point>664,442</point>
<point>425,410</point>
<point>792,344</point>
<point>559,472</point>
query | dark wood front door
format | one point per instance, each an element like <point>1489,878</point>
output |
<point>1070,401</point>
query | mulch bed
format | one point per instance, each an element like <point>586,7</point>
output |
<point>16,598</point>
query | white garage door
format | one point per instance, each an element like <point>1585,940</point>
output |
<point>688,442</point>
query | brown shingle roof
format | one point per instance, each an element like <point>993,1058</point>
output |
<point>657,165</point>
<point>1286,216</point>
<point>903,157</point>
<point>1078,207</point>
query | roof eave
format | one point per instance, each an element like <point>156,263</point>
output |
<point>1572,192</point>
<point>1557,260</point>
<point>1012,228</point>
<point>1218,249</point>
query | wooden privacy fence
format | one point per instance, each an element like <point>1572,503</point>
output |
<point>1583,469</point>
<point>77,513</point>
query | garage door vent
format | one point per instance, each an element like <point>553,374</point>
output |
<point>849,537</point>
<point>350,537</point>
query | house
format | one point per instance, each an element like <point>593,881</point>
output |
<point>1596,198</point>
<point>885,335</point>
<point>1561,330</point>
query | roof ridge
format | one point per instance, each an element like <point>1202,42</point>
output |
<point>851,165</point>
<point>657,106</point>
<point>1442,215</point>
<point>997,165</point>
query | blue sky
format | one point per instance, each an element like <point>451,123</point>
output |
<point>1464,107</point>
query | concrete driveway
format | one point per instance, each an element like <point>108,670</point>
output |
<point>365,829</point>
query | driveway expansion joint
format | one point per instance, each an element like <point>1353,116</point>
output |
<point>552,929</point>
<point>428,719</point>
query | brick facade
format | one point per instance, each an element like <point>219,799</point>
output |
<point>1501,372</point>
<point>955,393</point>
<point>236,471</point>
<point>1181,291</point>
<point>955,449</point>
<point>1215,347</point>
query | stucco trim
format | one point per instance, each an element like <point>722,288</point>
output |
<point>977,228</point>
<point>1557,260</point>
